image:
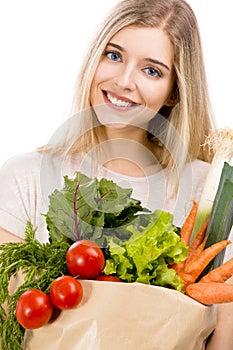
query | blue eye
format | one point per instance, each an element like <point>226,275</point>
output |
<point>113,56</point>
<point>152,72</point>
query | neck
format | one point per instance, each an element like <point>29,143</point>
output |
<point>128,151</point>
<point>128,132</point>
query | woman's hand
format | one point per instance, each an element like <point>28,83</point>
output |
<point>6,236</point>
<point>222,337</point>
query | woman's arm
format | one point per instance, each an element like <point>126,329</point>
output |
<point>222,338</point>
<point>6,236</point>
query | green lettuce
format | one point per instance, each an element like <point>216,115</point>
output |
<point>147,255</point>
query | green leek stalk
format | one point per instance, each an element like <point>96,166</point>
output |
<point>221,142</point>
<point>221,218</point>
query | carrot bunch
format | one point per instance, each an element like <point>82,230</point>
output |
<point>210,289</point>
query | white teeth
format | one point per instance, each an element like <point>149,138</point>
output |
<point>117,102</point>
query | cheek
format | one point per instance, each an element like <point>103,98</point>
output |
<point>156,96</point>
<point>94,90</point>
<point>153,98</point>
<point>99,78</point>
<point>101,73</point>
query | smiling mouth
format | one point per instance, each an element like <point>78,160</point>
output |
<point>118,102</point>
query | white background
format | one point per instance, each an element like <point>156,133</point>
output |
<point>42,43</point>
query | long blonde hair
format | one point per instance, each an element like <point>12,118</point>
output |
<point>190,115</point>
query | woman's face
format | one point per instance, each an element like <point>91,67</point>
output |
<point>135,75</point>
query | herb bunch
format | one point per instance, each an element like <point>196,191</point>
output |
<point>40,264</point>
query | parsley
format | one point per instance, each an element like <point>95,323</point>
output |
<point>40,264</point>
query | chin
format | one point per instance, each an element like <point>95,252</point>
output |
<point>117,126</point>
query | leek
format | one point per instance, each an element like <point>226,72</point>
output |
<point>221,142</point>
<point>221,218</point>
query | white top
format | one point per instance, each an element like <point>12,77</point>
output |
<point>27,180</point>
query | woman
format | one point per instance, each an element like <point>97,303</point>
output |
<point>141,113</point>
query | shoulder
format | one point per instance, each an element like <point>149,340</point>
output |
<point>32,163</point>
<point>38,170</point>
<point>22,162</point>
<point>200,165</point>
<point>20,174</point>
<point>194,177</point>
<point>191,184</point>
<point>197,169</point>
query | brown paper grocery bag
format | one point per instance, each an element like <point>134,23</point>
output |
<point>127,316</point>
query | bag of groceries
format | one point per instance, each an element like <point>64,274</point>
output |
<point>127,316</point>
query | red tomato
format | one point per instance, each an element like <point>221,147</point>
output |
<point>33,309</point>
<point>85,259</point>
<point>66,292</point>
<point>108,278</point>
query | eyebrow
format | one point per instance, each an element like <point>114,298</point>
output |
<point>152,60</point>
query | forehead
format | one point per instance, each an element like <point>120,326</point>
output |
<point>146,42</point>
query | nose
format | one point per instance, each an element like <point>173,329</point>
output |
<point>126,78</point>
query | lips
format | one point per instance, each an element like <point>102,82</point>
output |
<point>118,101</point>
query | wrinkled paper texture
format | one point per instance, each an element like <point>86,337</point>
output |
<point>127,316</point>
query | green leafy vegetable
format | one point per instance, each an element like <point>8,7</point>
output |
<point>88,209</point>
<point>40,264</point>
<point>146,256</point>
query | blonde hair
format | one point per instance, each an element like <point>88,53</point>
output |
<point>190,114</point>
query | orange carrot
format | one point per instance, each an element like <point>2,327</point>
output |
<point>186,276</point>
<point>178,267</point>
<point>195,255</point>
<point>197,264</point>
<point>197,240</point>
<point>220,274</point>
<point>196,267</point>
<point>187,227</point>
<point>185,233</point>
<point>210,293</point>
